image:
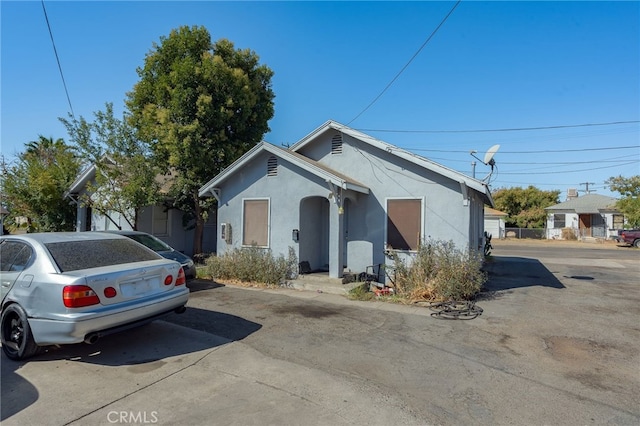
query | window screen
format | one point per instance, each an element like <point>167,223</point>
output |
<point>559,220</point>
<point>618,221</point>
<point>403,224</point>
<point>255,229</point>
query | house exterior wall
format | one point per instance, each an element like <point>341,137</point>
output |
<point>390,176</point>
<point>285,192</point>
<point>356,222</point>
<point>572,220</point>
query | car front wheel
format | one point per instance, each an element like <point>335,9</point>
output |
<point>15,333</point>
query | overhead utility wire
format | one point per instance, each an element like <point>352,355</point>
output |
<point>529,152</point>
<point>57,59</point>
<point>407,64</point>
<point>516,129</point>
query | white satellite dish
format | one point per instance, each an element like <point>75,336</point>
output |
<point>488,160</point>
<point>488,157</point>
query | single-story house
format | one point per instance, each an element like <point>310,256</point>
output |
<point>590,215</point>
<point>494,223</point>
<point>166,224</point>
<point>343,200</point>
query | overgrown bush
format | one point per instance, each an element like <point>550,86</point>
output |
<point>253,265</point>
<point>568,234</point>
<point>439,272</point>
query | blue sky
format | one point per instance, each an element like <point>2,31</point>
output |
<point>565,68</point>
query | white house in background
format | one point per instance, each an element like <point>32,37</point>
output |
<point>494,223</point>
<point>344,200</point>
<point>590,215</point>
<point>166,224</point>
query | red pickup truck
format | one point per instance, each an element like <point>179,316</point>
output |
<point>629,236</point>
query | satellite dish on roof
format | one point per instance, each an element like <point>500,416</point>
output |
<point>488,157</point>
<point>488,160</point>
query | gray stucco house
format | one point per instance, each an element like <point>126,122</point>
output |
<point>342,199</point>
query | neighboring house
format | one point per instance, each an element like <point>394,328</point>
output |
<point>341,199</point>
<point>166,224</point>
<point>590,215</point>
<point>494,222</point>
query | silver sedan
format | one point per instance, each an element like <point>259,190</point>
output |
<point>62,288</point>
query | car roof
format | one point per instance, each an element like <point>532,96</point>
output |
<point>118,232</point>
<point>58,237</point>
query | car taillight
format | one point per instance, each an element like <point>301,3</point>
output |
<point>182,279</point>
<point>77,296</point>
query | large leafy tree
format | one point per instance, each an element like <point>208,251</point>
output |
<point>126,180</point>
<point>525,206</point>
<point>629,204</point>
<point>34,187</point>
<point>200,105</point>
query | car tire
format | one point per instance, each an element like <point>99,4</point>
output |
<point>15,333</point>
<point>636,243</point>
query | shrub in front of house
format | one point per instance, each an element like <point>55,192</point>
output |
<point>253,265</point>
<point>439,272</point>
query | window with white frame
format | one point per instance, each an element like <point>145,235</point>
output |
<point>559,220</point>
<point>255,222</point>
<point>404,223</point>
<point>618,221</point>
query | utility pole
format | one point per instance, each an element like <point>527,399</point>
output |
<point>587,185</point>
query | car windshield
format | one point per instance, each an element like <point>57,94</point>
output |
<point>150,241</point>
<point>75,255</point>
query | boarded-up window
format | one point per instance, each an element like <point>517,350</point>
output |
<point>559,220</point>
<point>404,221</point>
<point>255,229</point>
<point>160,221</point>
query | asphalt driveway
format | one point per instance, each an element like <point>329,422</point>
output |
<point>558,343</point>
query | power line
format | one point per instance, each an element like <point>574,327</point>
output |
<point>530,152</point>
<point>407,64</point>
<point>55,51</point>
<point>515,129</point>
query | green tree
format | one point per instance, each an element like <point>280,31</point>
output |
<point>200,105</point>
<point>34,187</point>
<point>126,179</point>
<point>629,204</point>
<point>525,206</point>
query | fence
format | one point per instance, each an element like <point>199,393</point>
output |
<point>534,233</point>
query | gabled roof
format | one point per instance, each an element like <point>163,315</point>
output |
<point>488,211</point>
<point>586,204</point>
<point>427,164</point>
<point>301,161</point>
<point>81,181</point>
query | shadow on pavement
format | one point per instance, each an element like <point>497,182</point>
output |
<point>16,393</point>
<point>505,273</point>
<point>139,350</point>
<point>199,285</point>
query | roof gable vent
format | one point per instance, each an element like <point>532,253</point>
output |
<point>272,166</point>
<point>336,144</point>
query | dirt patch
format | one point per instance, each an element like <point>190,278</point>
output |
<point>574,350</point>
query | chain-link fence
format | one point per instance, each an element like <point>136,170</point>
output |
<point>534,233</point>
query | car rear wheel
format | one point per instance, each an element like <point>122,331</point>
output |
<point>15,333</point>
